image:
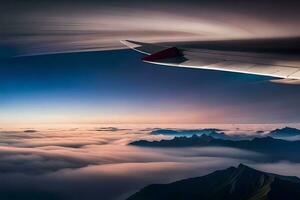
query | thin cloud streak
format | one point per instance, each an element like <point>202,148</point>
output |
<point>82,27</point>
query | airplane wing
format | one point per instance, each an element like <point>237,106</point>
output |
<point>273,65</point>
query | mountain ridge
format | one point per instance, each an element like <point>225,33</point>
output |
<point>234,183</point>
<point>279,133</point>
<point>284,132</point>
<point>276,149</point>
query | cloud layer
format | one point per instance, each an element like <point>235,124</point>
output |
<point>79,163</point>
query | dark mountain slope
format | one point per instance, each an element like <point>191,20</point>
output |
<point>284,132</point>
<point>242,183</point>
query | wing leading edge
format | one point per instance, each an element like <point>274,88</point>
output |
<point>274,65</point>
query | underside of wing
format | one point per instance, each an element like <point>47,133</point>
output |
<point>274,65</point>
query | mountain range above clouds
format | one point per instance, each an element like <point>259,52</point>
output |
<point>273,148</point>
<point>285,132</point>
<point>280,133</point>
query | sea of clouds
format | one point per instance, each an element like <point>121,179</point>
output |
<point>97,162</point>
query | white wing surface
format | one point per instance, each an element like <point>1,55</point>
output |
<point>274,65</point>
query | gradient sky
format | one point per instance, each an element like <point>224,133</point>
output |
<point>115,86</point>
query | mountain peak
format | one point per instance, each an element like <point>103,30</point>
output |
<point>242,166</point>
<point>246,171</point>
<point>285,132</point>
<point>205,137</point>
<point>238,183</point>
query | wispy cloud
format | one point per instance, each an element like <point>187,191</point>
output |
<point>56,27</point>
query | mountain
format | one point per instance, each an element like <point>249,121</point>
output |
<point>183,141</point>
<point>241,183</point>
<point>186,132</point>
<point>216,133</point>
<point>284,132</point>
<point>221,135</point>
<point>205,140</point>
<point>277,148</point>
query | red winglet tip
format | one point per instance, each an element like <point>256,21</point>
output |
<point>166,53</point>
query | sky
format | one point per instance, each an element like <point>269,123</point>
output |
<point>114,86</point>
<point>117,87</point>
<point>43,26</point>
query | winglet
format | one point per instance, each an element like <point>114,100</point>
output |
<point>137,46</point>
<point>144,48</point>
<point>164,54</point>
<point>130,44</point>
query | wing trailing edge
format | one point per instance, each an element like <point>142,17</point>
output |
<point>273,65</point>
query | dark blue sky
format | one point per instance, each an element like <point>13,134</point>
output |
<point>115,86</point>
